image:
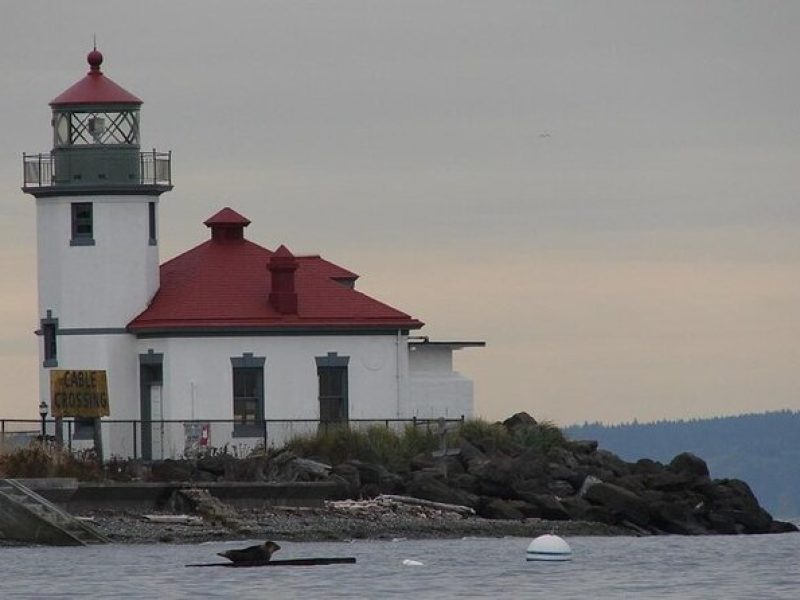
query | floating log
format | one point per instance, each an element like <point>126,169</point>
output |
<point>290,562</point>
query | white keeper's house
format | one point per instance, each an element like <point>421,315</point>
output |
<point>229,333</point>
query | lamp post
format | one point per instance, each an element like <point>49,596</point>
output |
<point>43,414</point>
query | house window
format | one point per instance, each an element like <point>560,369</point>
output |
<point>82,224</point>
<point>151,222</point>
<point>49,331</point>
<point>332,376</point>
<point>248,395</point>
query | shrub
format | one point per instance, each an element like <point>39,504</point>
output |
<point>376,444</point>
<point>38,460</point>
<point>543,436</point>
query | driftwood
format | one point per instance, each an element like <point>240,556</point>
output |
<point>456,508</point>
<point>387,500</point>
<point>180,519</point>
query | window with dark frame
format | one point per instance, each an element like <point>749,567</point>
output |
<point>332,394</point>
<point>248,401</point>
<point>151,222</point>
<point>49,329</point>
<point>82,224</point>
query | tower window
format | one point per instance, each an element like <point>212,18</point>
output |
<point>151,222</point>
<point>49,331</point>
<point>82,224</point>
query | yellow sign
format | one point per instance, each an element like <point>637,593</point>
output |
<point>78,393</point>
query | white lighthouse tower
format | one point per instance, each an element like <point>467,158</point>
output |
<point>97,233</point>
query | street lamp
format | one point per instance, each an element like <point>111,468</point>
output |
<point>43,414</point>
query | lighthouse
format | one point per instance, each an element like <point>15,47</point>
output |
<point>97,197</point>
<point>227,344</point>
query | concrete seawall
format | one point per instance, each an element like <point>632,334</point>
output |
<point>79,497</point>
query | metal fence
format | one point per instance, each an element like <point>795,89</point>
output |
<point>172,438</point>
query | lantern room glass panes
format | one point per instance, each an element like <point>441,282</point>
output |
<point>96,128</point>
<point>61,129</point>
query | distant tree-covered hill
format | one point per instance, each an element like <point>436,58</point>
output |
<point>761,449</point>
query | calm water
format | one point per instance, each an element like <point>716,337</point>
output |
<point>758,567</point>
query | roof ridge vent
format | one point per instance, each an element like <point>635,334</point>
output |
<point>227,225</point>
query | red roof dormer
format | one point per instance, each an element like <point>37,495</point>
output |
<point>227,225</point>
<point>95,88</point>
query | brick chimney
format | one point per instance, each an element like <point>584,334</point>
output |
<point>282,266</point>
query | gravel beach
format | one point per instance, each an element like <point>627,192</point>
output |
<point>329,524</point>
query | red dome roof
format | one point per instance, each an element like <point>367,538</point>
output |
<point>95,88</point>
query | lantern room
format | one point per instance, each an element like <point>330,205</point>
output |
<point>96,143</point>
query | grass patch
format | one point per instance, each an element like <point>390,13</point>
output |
<point>542,436</point>
<point>395,450</point>
<point>376,444</point>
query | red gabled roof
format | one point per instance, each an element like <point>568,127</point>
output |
<point>224,284</point>
<point>95,88</point>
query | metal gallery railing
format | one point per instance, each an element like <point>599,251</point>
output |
<point>177,438</point>
<point>39,170</point>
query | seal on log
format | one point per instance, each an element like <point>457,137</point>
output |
<point>260,553</point>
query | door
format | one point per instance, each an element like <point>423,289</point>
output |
<point>157,414</point>
<point>151,410</point>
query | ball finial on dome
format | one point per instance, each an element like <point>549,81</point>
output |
<point>95,59</point>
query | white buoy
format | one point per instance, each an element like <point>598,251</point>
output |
<point>549,547</point>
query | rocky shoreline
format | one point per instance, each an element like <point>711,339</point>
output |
<point>515,478</point>
<point>328,524</point>
<point>515,472</point>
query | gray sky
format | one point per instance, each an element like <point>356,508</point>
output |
<point>605,192</point>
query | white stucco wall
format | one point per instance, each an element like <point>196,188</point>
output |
<point>449,395</point>
<point>115,354</point>
<point>92,289</point>
<point>435,389</point>
<point>104,285</point>
<point>198,378</point>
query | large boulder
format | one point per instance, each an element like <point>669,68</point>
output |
<point>547,506</point>
<point>171,470</point>
<point>672,513</point>
<point>583,446</point>
<point>495,476</point>
<point>520,420</point>
<point>733,508</point>
<point>377,479</point>
<point>689,465</point>
<point>429,487</point>
<point>350,476</point>
<point>245,469</point>
<point>620,504</point>
<point>495,508</point>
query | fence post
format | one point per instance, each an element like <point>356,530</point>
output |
<point>414,423</point>
<point>134,440</point>
<point>265,436</point>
